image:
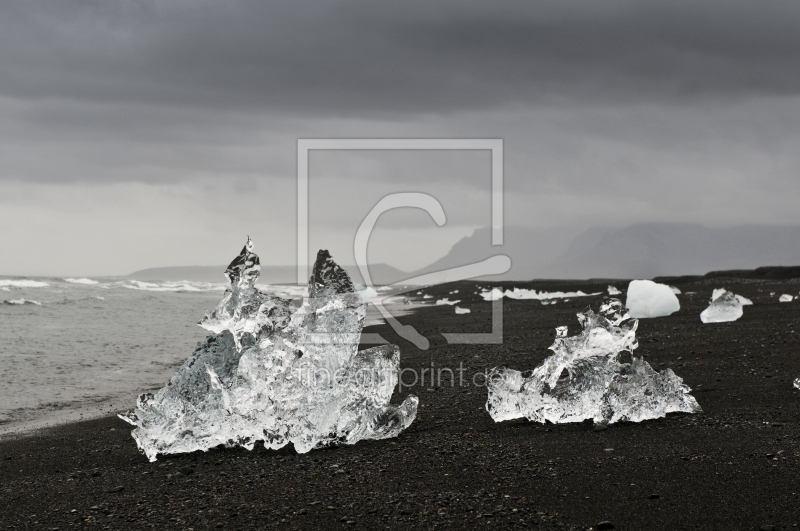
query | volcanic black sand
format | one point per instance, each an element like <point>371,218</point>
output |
<point>734,466</point>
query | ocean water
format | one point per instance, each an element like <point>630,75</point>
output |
<point>76,348</point>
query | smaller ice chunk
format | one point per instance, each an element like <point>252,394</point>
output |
<point>427,296</point>
<point>675,290</point>
<point>81,281</point>
<point>744,301</point>
<point>649,299</point>
<point>366,293</point>
<point>446,301</point>
<point>586,378</point>
<point>612,290</point>
<point>493,295</point>
<point>725,307</point>
<point>797,383</point>
<point>785,298</point>
<point>460,311</point>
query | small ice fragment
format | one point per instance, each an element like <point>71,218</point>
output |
<point>366,293</point>
<point>460,311</point>
<point>81,281</point>
<point>427,296</point>
<point>276,373</point>
<point>797,383</point>
<point>785,298</point>
<point>584,378</point>
<point>612,290</point>
<point>675,290</point>
<point>454,291</point>
<point>744,301</point>
<point>725,307</point>
<point>442,302</point>
<point>493,295</point>
<point>648,299</point>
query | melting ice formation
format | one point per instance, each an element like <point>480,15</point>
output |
<point>649,299</point>
<point>785,298</point>
<point>612,290</point>
<point>517,293</point>
<point>446,301</point>
<point>460,310</point>
<point>276,373</point>
<point>725,307</point>
<point>584,378</point>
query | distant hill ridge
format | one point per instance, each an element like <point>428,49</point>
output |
<point>644,250</point>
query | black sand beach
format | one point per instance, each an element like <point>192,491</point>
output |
<point>734,466</point>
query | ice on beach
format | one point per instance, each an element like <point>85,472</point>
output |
<point>460,311</point>
<point>23,283</point>
<point>797,383</point>
<point>366,293</point>
<point>493,295</point>
<point>649,299</point>
<point>785,298</point>
<point>612,290</point>
<point>277,372</point>
<point>532,294</point>
<point>87,281</point>
<point>585,379</point>
<point>675,290</point>
<point>446,301</point>
<point>427,296</point>
<point>725,307</point>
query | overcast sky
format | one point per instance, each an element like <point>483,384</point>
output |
<point>151,133</point>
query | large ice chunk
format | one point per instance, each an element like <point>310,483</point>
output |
<point>585,379</point>
<point>649,299</point>
<point>725,307</point>
<point>785,298</point>
<point>277,372</point>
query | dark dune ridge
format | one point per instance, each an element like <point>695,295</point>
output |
<point>734,466</point>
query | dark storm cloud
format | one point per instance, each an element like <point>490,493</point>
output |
<point>384,58</point>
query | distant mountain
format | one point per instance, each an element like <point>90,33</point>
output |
<point>380,273</point>
<point>649,250</point>
<point>642,250</point>
<point>529,249</point>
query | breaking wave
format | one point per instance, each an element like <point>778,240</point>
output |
<point>20,302</point>
<point>23,283</point>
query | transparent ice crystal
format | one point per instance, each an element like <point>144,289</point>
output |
<point>585,378</point>
<point>725,307</point>
<point>277,372</point>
